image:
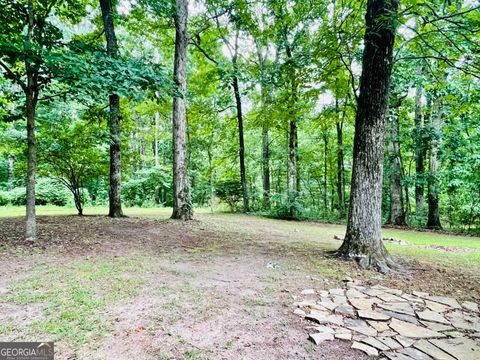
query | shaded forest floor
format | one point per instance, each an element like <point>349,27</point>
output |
<point>219,287</point>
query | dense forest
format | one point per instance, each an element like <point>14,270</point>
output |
<point>271,111</point>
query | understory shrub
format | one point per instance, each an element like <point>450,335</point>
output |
<point>148,187</point>
<point>47,192</point>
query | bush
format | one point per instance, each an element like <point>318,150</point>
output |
<point>229,191</point>
<point>47,192</point>
<point>4,198</point>
<point>148,187</point>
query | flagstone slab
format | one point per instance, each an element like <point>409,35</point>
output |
<point>431,350</point>
<point>378,325</point>
<point>360,327</point>
<point>463,321</point>
<point>327,304</point>
<point>444,300</point>
<point>390,342</point>
<point>436,326</point>
<point>373,315</point>
<point>429,315</point>
<point>355,294</point>
<point>325,319</point>
<point>403,317</point>
<point>406,342</point>
<point>391,297</point>
<point>470,306</point>
<point>460,348</point>
<point>437,307</point>
<point>345,310</point>
<point>369,340</point>
<point>343,336</point>
<point>396,356</point>
<point>337,292</point>
<point>318,338</point>
<point>415,354</point>
<point>362,304</point>
<point>413,331</point>
<point>367,349</point>
<point>401,307</point>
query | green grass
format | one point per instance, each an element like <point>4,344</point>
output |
<point>72,297</point>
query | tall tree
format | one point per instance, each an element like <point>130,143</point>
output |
<point>114,194</point>
<point>182,207</point>
<point>433,221</point>
<point>363,236</point>
<point>419,153</point>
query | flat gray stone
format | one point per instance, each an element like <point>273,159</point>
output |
<point>470,306</point>
<point>460,348</point>
<point>415,354</point>
<point>390,342</point>
<point>401,307</point>
<point>355,294</point>
<point>325,319</point>
<point>318,338</point>
<point>413,299</point>
<point>437,307</point>
<point>338,299</point>
<point>372,292</point>
<point>396,356</point>
<point>445,300</point>
<point>369,340</point>
<point>436,326</point>
<point>413,331</point>
<point>432,316</point>
<point>373,315</point>
<point>360,327</point>
<point>299,312</point>
<point>387,297</point>
<point>403,317</point>
<point>327,303</point>
<point>378,325</point>
<point>362,304</point>
<point>308,292</point>
<point>343,336</point>
<point>345,310</point>
<point>324,329</point>
<point>406,342</point>
<point>388,333</point>
<point>367,349</point>
<point>432,350</point>
<point>463,321</point>
<point>337,292</point>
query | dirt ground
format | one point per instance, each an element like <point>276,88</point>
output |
<point>219,287</point>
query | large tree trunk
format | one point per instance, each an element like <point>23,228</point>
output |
<point>419,155</point>
<point>241,143</point>
<point>433,221</point>
<point>363,236</point>
<point>155,144</point>
<point>292,168</point>
<point>31,103</point>
<point>11,171</point>
<point>182,207</point>
<point>115,201</point>
<point>397,209</point>
<point>31,99</point>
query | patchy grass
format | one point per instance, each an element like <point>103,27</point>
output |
<point>73,296</point>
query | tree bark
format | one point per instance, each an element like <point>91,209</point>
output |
<point>115,201</point>
<point>241,149</point>
<point>182,207</point>
<point>266,166</point>
<point>11,171</point>
<point>397,209</point>
<point>433,221</point>
<point>340,170</point>
<point>363,236</point>
<point>155,145</point>
<point>419,155</point>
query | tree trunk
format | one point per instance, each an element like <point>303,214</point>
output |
<point>433,221</point>
<point>363,236</point>
<point>11,171</point>
<point>241,149</point>
<point>325,173</point>
<point>182,207</point>
<point>31,103</point>
<point>292,169</point>
<point>419,155</point>
<point>397,210</point>
<point>155,145</point>
<point>266,166</point>
<point>340,170</point>
<point>114,194</point>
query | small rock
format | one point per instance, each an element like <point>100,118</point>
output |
<point>370,351</point>
<point>308,292</point>
<point>343,336</point>
<point>318,338</point>
<point>373,315</point>
<point>299,312</point>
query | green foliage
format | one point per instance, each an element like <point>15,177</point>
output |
<point>148,187</point>
<point>229,191</point>
<point>47,192</point>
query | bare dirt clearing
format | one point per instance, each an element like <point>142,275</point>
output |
<point>220,287</point>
